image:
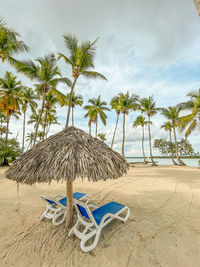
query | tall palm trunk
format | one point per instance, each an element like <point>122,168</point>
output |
<point>170,138</point>
<point>143,145</point>
<point>45,123</point>
<point>123,139</point>
<point>7,125</point>
<point>39,119</point>
<point>90,128</point>
<point>96,126</point>
<point>180,162</point>
<point>69,106</point>
<point>72,116</point>
<point>150,150</point>
<point>24,126</point>
<point>115,129</point>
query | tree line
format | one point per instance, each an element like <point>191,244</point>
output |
<point>44,97</point>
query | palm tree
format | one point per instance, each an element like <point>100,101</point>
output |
<point>81,58</point>
<point>28,99</point>
<point>51,119</point>
<point>47,73</point>
<point>98,109</point>
<point>91,114</point>
<point>30,138</point>
<point>167,126</point>
<point>148,107</point>
<point>40,135</point>
<point>172,114</point>
<point>34,118</point>
<point>115,104</point>
<point>191,121</point>
<point>51,101</point>
<point>140,121</point>
<point>10,95</point>
<point>127,103</point>
<point>2,121</point>
<point>10,43</point>
<point>76,100</point>
<point>102,136</point>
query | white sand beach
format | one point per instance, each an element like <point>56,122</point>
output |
<point>163,228</point>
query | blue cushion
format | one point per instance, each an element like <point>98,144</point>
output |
<point>111,207</point>
<point>76,195</point>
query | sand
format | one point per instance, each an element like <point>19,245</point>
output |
<point>163,229</point>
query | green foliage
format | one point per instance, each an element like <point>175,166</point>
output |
<point>168,148</point>
<point>102,136</point>
<point>9,150</point>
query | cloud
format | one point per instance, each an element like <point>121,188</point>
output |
<point>146,47</point>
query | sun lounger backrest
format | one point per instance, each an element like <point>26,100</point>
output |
<point>50,201</point>
<point>84,211</point>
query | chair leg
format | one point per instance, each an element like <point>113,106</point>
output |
<point>61,214</point>
<point>95,232</point>
<point>71,232</point>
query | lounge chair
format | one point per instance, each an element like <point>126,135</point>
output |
<point>56,207</point>
<point>92,222</point>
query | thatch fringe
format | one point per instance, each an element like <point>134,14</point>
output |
<point>69,154</point>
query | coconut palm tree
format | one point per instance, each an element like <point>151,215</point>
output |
<point>51,119</point>
<point>115,104</point>
<point>34,119</point>
<point>10,96</point>
<point>40,135</point>
<point>172,114</point>
<point>76,100</point>
<point>102,136</point>
<point>91,114</point>
<point>98,107</point>
<point>127,103</point>
<point>167,126</point>
<point>50,103</point>
<point>81,59</point>
<point>141,121</point>
<point>10,43</point>
<point>46,72</point>
<point>28,99</point>
<point>29,139</point>
<point>2,121</point>
<point>148,107</point>
<point>191,121</point>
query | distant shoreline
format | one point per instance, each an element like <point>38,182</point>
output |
<point>166,157</point>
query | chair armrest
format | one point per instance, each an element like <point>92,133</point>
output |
<point>92,206</point>
<point>59,196</point>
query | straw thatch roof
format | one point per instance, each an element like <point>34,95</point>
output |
<point>69,154</point>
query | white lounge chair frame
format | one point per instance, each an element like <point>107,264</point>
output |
<point>90,227</point>
<point>57,213</point>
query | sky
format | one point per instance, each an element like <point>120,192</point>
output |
<point>146,47</point>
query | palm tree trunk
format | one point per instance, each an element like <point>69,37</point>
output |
<point>73,116</point>
<point>24,126</point>
<point>123,139</point>
<point>150,150</point>
<point>45,123</point>
<point>96,126</point>
<point>7,126</point>
<point>145,162</point>
<point>115,130</point>
<point>180,162</point>
<point>69,189</point>
<point>39,119</point>
<point>69,106</point>
<point>90,128</point>
<point>170,138</point>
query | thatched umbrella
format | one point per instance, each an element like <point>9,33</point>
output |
<point>65,156</point>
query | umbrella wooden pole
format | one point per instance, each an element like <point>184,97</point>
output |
<point>69,189</point>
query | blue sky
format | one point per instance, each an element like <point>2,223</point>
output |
<point>146,47</point>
